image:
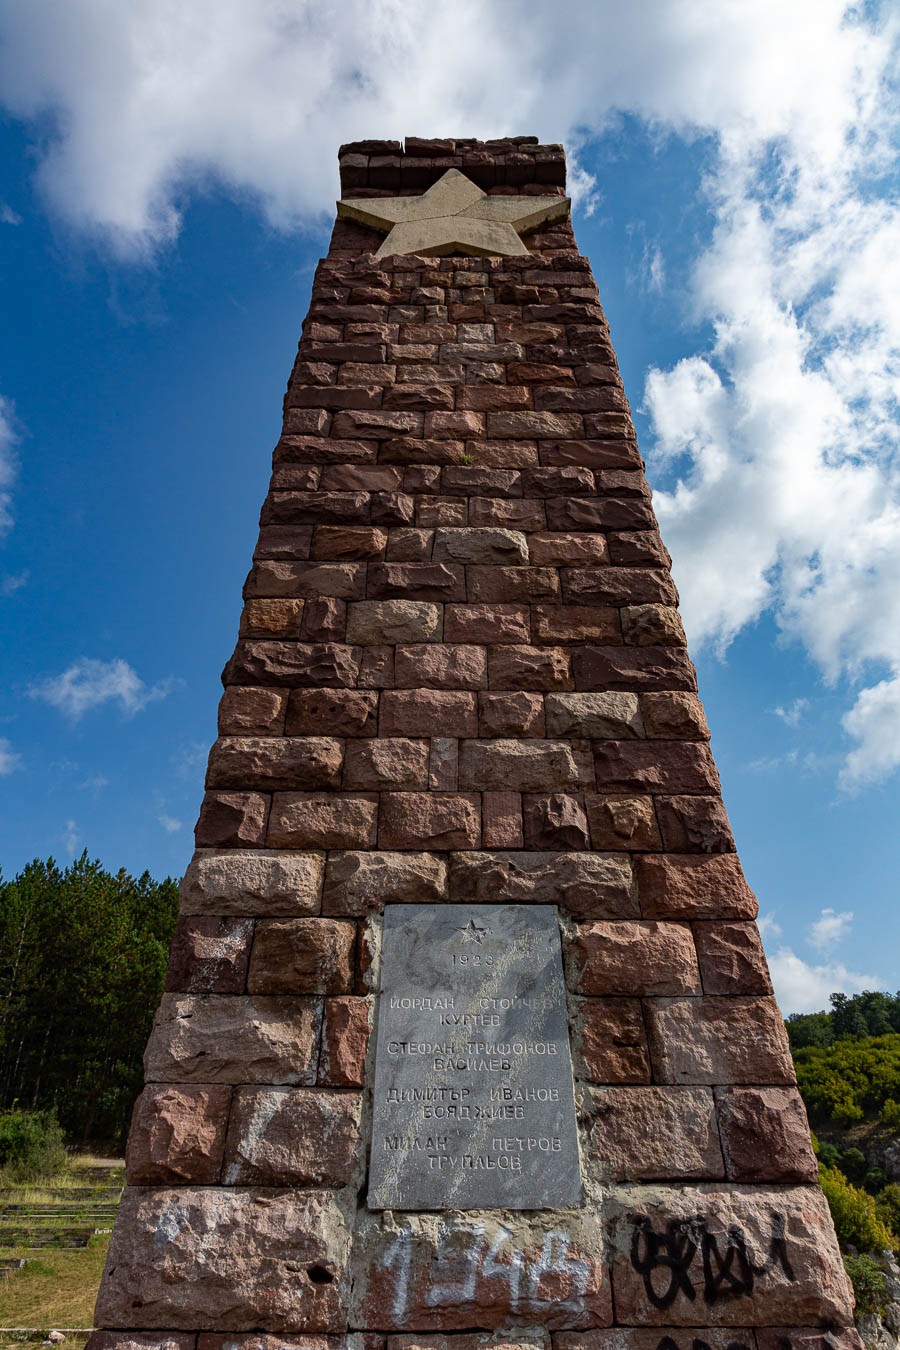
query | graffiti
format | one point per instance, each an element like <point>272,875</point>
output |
<point>666,1261</point>
<point>457,1270</point>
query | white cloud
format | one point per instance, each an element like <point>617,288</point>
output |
<point>777,441</point>
<point>95,783</point>
<point>9,758</point>
<point>90,683</point>
<point>169,823</point>
<point>12,582</point>
<point>71,838</point>
<point>766,923</point>
<point>794,713</point>
<point>8,464</point>
<point>830,928</point>
<point>801,987</point>
<point>8,216</point>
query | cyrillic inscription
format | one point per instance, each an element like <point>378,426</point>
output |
<point>474,1105</point>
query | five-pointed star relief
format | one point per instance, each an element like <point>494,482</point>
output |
<point>474,932</point>
<point>454,216</point>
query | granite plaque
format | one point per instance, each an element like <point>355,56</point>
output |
<point>473,1104</point>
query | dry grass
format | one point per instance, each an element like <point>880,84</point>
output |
<point>55,1288</point>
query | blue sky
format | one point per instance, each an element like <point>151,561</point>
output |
<point>166,186</point>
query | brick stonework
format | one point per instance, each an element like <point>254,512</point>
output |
<point>460,676</point>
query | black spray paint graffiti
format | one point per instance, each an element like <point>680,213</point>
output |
<point>729,1270</point>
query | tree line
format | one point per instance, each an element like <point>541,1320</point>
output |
<point>83,956</point>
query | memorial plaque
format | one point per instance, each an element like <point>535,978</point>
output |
<point>474,1105</point>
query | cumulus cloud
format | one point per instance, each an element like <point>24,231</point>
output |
<point>9,758</point>
<point>801,987</point>
<point>830,928</point>
<point>169,823</point>
<point>776,448</point>
<point>71,838</point>
<point>90,683</point>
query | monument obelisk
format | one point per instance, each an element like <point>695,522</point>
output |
<point>468,1035</point>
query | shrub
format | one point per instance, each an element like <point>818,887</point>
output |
<point>869,1284</point>
<point>853,1212</point>
<point>890,1114</point>
<point>31,1146</point>
<point>887,1207</point>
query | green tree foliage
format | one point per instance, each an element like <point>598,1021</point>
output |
<point>887,1207</point>
<point>31,1146</point>
<point>867,1014</point>
<point>846,1081</point>
<point>869,1286</point>
<point>855,1220</point>
<point>82,964</point>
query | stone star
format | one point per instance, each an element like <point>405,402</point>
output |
<point>454,216</point>
<point>474,932</point>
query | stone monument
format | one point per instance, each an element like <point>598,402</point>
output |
<point>468,1037</point>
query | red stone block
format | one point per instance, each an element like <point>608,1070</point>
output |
<point>652,1134</point>
<point>622,823</point>
<point>285,542</point>
<point>732,960</point>
<point>649,625</point>
<point>249,711</point>
<point>302,956</point>
<point>521,667</point>
<point>568,549</point>
<point>661,766</point>
<point>633,668</point>
<point>416,581</point>
<point>643,958</point>
<point>555,821</point>
<point>429,820</point>
<point>141,1340</point>
<point>493,397</point>
<point>613,1041</point>
<point>441,511</point>
<point>394,762</point>
<point>177,1135</point>
<point>349,542</point>
<point>269,762</point>
<point>688,886</point>
<point>486,623</point>
<point>809,1338</point>
<point>281,1136</point>
<point>340,712</point>
<point>209,955</point>
<point>641,548</point>
<point>576,623</point>
<point>718,1041</point>
<point>552,482</point>
<point>694,825</point>
<point>674,716</point>
<point>409,545</point>
<point>501,819</point>
<point>441,666</point>
<point>617,586</point>
<point>307,508</point>
<point>518,513</point>
<point>605,454</point>
<point>765,1135</point>
<point>505,584</point>
<point>518,714</point>
<point>232,820</point>
<point>345,1040</point>
<point>428,712</point>
<point>323,820</point>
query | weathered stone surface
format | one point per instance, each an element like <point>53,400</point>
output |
<point>732,960</point>
<point>343,581</point>
<point>271,618</point>
<point>335,712</point>
<point>323,820</point>
<point>557,549</point>
<point>486,623</point>
<point>350,542</point>
<point>480,545</point>
<point>429,820</point>
<point>691,886</point>
<point>295,665</point>
<point>484,1340</point>
<point>611,1041</point>
<point>622,822</point>
<point>523,667</point>
<point>428,712</point>
<point>232,819</point>
<point>209,955</point>
<point>245,711</point>
<point>502,715</point>
<point>643,958</point>
<point>443,764</point>
<point>555,820</point>
<point>302,956</point>
<point>765,1135</point>
<point>218,1257</point>
<point>450,666</point>
<point>177,1135</point>
<point>651,1133</point>
<point>650,1338</point>
<point>252,883</point>
<point>668,766</point>
<point>595,716</point>
<point>633,668</point>
<point>707,1254</point>
<point>358,882</point>
<point>694,825</point>
<point>386,762</point>
<point>576,623</point>
<point>416,581</point>
<point>647,625</point>
<point>501,820</point>
<point>345,1039</point>
<point>586,884</point>
<point>227,1038</point>
<point>449,1271</point>
<point>674,716</point>
<point>270,762</point>
<point>809,1338</point>
<point>718,1040</point>
<point>524,765</point>
<point>292,1137</point>
<point>371,622</point>
<point>512,583</point>
<point>141,1340</point>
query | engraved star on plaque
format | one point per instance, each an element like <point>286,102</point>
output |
<point>473,932</point>
<point>454,216</point>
